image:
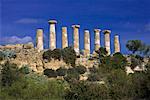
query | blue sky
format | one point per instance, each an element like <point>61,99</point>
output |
<point>19,19</point>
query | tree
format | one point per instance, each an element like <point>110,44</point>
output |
<point>134,45</point>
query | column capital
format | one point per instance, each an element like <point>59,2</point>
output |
<point>116,35</point>
<point>75,26</point>
<point>107,31</point>
<point>86,31</point>
<point>52,21</point>
<point>39,29</point>
<point>64,27</point>
<point>97,30</point>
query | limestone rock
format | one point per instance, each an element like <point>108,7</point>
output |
<point>28,46</point>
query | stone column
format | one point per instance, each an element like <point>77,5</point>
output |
<point>64,37</point>
<point>52,42</point>
<point>97,39</point>
<point>86,43</point>
<point>107,40</point>
<point>76,38</point>
<point>116,44</point>
<point>39,39</point>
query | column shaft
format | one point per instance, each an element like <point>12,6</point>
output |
<point>116,44</point>
<point>76,38</point>
<point>52,42</point>
<point>64,37</point>
<point>107,40</point>
<point>39,39</point>
<point>97,39</point>
<point>86,43</point>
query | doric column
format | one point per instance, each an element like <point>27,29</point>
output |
<point>107,40</point>
<point>97,39</point>
<point>76,38</point>
<point>86,43</point>
<point>116,44</point>
<point>52,42</point>
<point>39,39</point>
<point>64,37</point>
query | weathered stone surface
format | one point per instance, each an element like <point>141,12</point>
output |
<point>30,45</point>
<point>76,38</point>
<point>64,37</point>
<point>107,40</point>
<point>55,64</point>
<point>97,39</point>
<point>86,43</point>
<point>116,44</point>
<point>39,40</point>
<point>52,42</point>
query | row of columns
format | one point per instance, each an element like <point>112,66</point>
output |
<point>52,42</point>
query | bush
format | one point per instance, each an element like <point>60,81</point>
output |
<point>93,69</point>
<point>118,61</point>
<point>69,56</point>
<point>141,86</point>
<point>72,75</point>
<point>135,62</point>
<point>9,74</point>
<point>80,69</point>
<point>34,87</point>
<point>50,73</point>
<point>47,55</point>
<point>61,71</point>
<point>94,77</point>
<point>85,91</point>
<point>56,54</point>
<point>2,56</point>
<point>7,54</point>
<point>25,69</point>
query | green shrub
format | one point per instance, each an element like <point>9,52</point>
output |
<point>9,54</point>
<point>135,61</point>
<point>85,91</point>
<point>118,61</point>
<point>80,69</point>
<point>50,73</point>
<point>56,54</point>
<point>72,75</point>
<point>47,55</point>
<point>33,87</point>
<point>25,69</point>
<point>94,77</point>
<point>9,74</point>
<point>61,71</point>
<point>93,69</point>
<point>69,56</point>
<point>2,56</point>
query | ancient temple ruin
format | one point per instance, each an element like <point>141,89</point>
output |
<point>97,39</point>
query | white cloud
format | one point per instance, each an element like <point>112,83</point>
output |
<point>28,21</point>
<point>16,40</point>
